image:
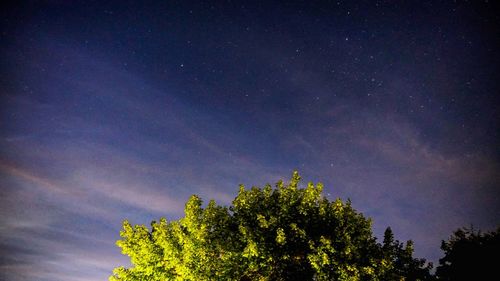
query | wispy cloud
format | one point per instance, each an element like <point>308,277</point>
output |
<point>394,174</point>
<point>105,155</point>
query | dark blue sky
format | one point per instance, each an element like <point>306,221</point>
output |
<point>123,110</point>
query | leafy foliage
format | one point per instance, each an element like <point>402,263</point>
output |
<point>402,264</point>
<point>469,255</point>
<point>282,233</point>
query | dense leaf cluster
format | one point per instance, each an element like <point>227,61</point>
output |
<point>281,233</point>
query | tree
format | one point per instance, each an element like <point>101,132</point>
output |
<point>469,255</point>
<point>403,266</point>
<point>282,233</point>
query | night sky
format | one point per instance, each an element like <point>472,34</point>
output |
<point>123,110</point>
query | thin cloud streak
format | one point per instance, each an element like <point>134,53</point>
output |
<point>103,184</point>
<point>100,127</point>
<point>425,178</point>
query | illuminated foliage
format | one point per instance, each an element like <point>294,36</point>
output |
<point>281,233</point>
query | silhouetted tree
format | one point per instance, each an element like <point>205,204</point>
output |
<point>470,255</point>
<point>282,233</point>
<point>403,266</point>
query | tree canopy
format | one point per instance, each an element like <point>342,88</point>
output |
<point>281,233</point>
<point>469,255</point>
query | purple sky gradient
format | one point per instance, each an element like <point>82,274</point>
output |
<point>118,111</point>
